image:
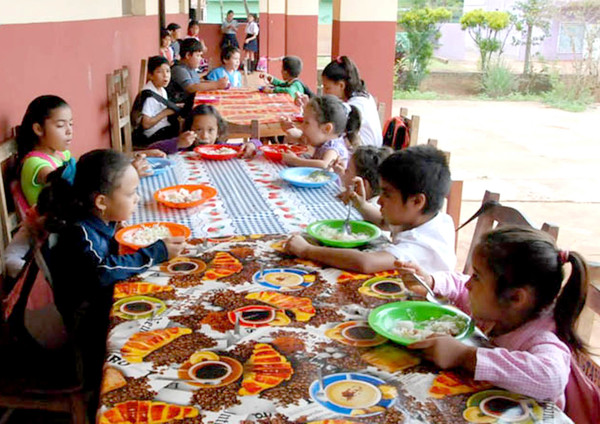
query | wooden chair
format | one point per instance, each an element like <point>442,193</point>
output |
<point>495,213</point>
<point>381,113</point>
<point>10,219</point>
<point>413,125</point>
<point>589,320</point>
<point>119,108</point>
<point>251,130</point>
<point>143,74</point>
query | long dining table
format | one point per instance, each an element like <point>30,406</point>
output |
<point>236,331</point>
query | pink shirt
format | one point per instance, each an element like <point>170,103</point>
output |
<point>530,360</point>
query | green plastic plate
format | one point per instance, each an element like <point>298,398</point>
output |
<point>357,227</point>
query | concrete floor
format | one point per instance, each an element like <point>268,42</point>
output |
<point>542,161</point>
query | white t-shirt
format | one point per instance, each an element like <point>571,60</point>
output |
<point>153,107</point>
<point>430,245</point>
<point>252,28</point>
<point>370,126</point>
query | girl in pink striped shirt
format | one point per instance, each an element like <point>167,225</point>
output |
<point>515,294</point>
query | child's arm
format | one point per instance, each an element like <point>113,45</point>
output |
<point>349,259</point>
<point>293,160</point>
<point>368,211</point>
<point>292,90</point>
<point>150,121</point>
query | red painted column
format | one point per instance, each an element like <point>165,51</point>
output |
<point>367,34</point>
<point>301,27</point>
<point>275,35</point>
<point>263,24</point>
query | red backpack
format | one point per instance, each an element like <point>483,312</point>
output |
<point>396,133</point>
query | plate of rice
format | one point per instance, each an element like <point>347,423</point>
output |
<point>330,232</point>
<point>218,151</point>
<point>141,235</point>
<point>307,177</point>
<point>185,195</point>
<point>411,321</point>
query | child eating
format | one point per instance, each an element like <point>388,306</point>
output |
<point>291,66</point>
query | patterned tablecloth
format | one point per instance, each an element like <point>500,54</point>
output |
<point>251,198</point>
<point>175,354</point>
<point>242,105</point>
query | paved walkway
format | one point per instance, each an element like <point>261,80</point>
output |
<point>542,161</point>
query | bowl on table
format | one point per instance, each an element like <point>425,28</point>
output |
<point>129,237</point>
<point>199,193</point>
<point>159,165</point>
<point>300,177</point>
<point>385,318</point>
<point>218,151</point>
<point>330,232</point>
<point>274,151</point>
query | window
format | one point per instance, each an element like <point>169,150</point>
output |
<point>570,38</point>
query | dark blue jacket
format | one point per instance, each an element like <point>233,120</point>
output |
<point>85,264</point>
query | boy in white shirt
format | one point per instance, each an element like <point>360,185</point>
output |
<point>155,112</point>
<point>414,184</point>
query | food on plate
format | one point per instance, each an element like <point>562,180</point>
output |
<point>146,412</point>
<point>139,288</point>
<point>316,177</point>
<point>338,234</point>
<point>223,265</point>
<point>113,379</point>
<point>390,358</point>
<point>301,307</point>
<point>147,234</point>
<point>181,195</point>
<point>223,151</point>
<point>445,325</point>
<point>265,369</point>
<point>141,344</point>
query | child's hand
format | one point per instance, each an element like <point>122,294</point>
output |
<point>359,194</point>
<point>186,139</point>
<point>286,123</point>
<point>267,90</point>
<point>248,150</point>
<point>222,83</point>
<point>175,245</point>
<point>338,166</point>
<point>413,268</point>
<point>289,158</point>
<point>447,352</point>
<point>297,246</point>
<point>154,153</point>
<point>301,100</point>
<point>141,165</point>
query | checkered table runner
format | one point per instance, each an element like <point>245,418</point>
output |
<point>251,198</point>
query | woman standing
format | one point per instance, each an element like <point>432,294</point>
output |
<point>251,43</point>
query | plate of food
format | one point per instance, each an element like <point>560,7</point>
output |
<point>185,195</point>
<point>158,165</point>
<point>411,321</point>
<point>330,232</point>
<point>137,236</point>
<point>307,177</point>
<point>218,151</point>
<point>274,151</point>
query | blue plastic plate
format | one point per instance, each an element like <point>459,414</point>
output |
<point>296,176</point>
<point>159,165</point>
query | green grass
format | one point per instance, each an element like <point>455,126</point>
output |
<point>422,95</point>
<point>513,97</point>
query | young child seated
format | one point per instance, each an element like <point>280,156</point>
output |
<point>291,66</point>
<point>414,183</point>
<point>151,109</point>
<point>204,125</point>
<point>327,121</point>
<point>85,216</point>
<point>515,293</point>
<point>230,58</point>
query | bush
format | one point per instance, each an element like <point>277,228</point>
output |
<point>572,95</point>
<point>498,81</point>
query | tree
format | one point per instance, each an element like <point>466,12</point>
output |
<point>484,28</point>
<point>531,14</point>
<point>422,33</point>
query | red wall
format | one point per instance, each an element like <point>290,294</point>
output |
<point>301,40</point>
<point>371,46</point>
<point>211,34</point>
<point>71,60</point>
<point>276,43</point>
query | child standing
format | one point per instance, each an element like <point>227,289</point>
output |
<point>229,29</point>
<point>325,125</point>
<point>414,183</point>
<point>173,29</point>
<point>230,57</point>
<point>291,66</point>
<point>165,46</point>
<point>515,291</point>
<point>43,140</point>
<point>85,216</point>
<point>250,43</point>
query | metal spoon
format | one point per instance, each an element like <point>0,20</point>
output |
<point>347,228</point>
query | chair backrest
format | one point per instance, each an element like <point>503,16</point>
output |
<point>494,214</point>
<point>381,113</point>
<point>143,74</point>
<point>413,125</point>
<point>588,325</point>
<point>251,130</point>
<point>10,219</point>
<point>119,108</point>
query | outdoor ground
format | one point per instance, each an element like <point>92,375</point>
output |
<point>541,160</point>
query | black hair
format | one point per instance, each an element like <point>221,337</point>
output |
<point>192,23</point>
<point>254,15</point>
<point>419,169</point>
<point>229,11</point>
<point>189,46</point>
<point>227,52</point>
<point>156,62</point>
<point>205,109</point>
<point>173,26</point>
<point>367,160</point>
<point>344,69</point>
<point>292,65</point>
<point>98,172</point>
<point>164,33</point>
<point>329,108</point>
<point>37,112</point>
<point>525,257</point>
